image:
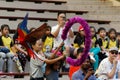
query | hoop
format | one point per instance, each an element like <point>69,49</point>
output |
<point>68,25</point>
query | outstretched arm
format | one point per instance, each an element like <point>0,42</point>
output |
<point>51,61</point>
<point>18,49</point>
<point>55,52</point>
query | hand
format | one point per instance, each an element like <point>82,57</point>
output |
<point>65,54</point>
<point>89,73</point>
<point>62,23</point>
<point>115,61</point>
<point>61,44</point>
<point>25,53</point>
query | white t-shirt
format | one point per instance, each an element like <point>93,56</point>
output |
<point>58,39</point>
<point>106,67</point>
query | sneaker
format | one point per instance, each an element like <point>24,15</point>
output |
<point>92,58</point>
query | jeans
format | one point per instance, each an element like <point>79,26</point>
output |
<point>3,57</point>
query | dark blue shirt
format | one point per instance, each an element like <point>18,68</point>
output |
<point>53,75</point>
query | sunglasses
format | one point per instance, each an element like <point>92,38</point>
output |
<point>114,52</point>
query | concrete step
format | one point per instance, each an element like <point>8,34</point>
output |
<point>84,2</point>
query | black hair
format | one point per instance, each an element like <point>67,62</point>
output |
<point>33,41</point>
<point>112,29</point>
<point>45,36</point>
<point>5,25</point>
<point>80,50</point>
<point>101,28</point>
<point>79,39</point>
<point>91,63</point>
<point>94,30</point>
<point>52,65</point>
<point>49,27</point>
<point>61,13</point>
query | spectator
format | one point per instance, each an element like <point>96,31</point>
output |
<point>48,41</point>
<point>94,51</point>
<point>20,57</point>
<point>52,70</point>
<point>85,72</point>
<point>110,66</point>
<point>73,69</point>
<point>102,42</point>
<point>57,31</point>
<point>5,48</point>
<point>79,38</point>
<point>112,41</point>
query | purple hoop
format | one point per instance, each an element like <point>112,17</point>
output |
<point>68,25</point>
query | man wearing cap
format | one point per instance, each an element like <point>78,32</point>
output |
<point>109,67</point>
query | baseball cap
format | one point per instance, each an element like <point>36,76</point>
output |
<point>80,28</point>
<point>113,49</point>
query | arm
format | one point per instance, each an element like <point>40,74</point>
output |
<point>51,61</point>
<point>53,54</point>
<point>55,33</point>
<point>15,48</point>
<point>20,49</point>
<point>112,72</point>
<point>90,72</point>
<point>118,75</point>
<point>71,34</point>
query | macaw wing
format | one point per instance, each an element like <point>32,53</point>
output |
<point>38,33</point>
